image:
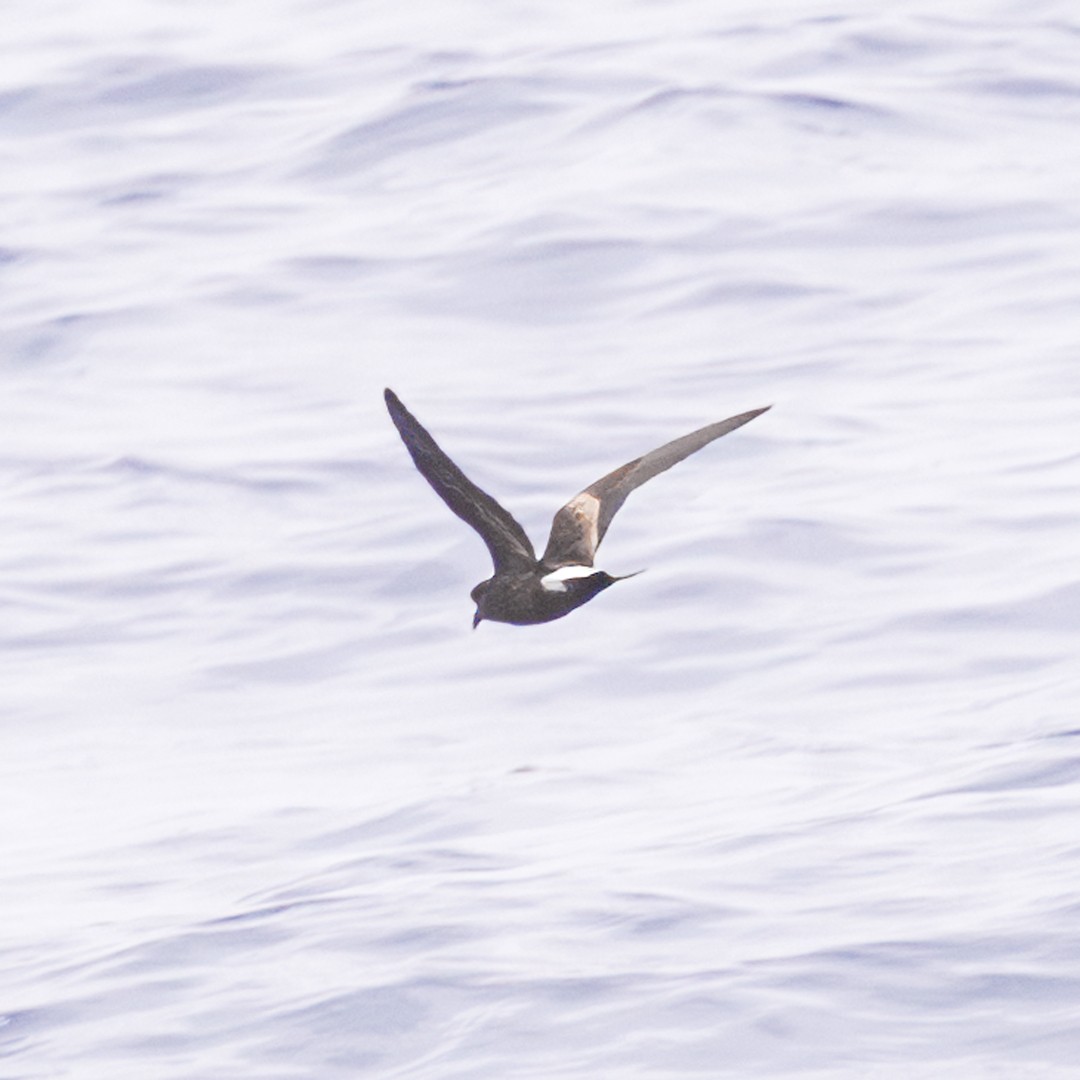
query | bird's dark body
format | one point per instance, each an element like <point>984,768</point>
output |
<point>520,598</point>
<point>524,589</point>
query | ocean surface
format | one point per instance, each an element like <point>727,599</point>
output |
<point>802,800</point>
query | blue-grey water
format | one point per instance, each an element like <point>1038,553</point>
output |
<point>803,800</point>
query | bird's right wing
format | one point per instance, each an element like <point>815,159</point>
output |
<point>580,525</point>
<point>506,540</point>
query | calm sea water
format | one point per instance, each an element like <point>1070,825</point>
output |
<point>800,801</point>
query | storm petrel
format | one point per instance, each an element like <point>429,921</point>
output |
<point>524,589</point>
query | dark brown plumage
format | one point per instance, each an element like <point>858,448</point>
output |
<point>525,589</point>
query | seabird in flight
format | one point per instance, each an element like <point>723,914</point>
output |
<point>524,589</point>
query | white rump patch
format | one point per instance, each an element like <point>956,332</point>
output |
<point>556,580</point>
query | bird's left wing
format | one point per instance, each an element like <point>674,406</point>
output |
<point>510,547</point>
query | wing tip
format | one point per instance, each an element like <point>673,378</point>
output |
<point>398,413</point>
<point>746,417</point>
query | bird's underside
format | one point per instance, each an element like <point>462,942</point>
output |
<point>525,589</point>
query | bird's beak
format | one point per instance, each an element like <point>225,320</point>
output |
<point>476,619</point>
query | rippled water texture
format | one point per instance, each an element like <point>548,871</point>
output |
<point>800,801</point>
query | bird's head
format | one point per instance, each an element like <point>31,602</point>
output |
<point>478,598</point>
